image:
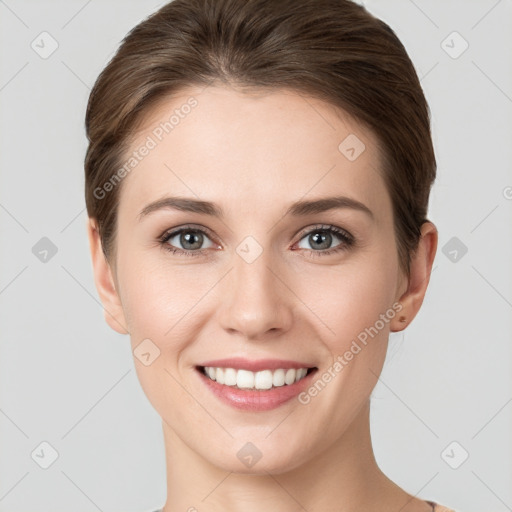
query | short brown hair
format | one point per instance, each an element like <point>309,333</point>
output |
<point>333,50</point>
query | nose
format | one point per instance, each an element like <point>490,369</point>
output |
<point>256,302</point>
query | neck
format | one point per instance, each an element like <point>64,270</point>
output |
<point>346,474</point>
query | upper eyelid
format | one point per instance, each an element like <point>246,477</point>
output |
<point>324,227</point>
<point>174,231</point>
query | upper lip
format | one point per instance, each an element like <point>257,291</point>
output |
<point>239,363</point>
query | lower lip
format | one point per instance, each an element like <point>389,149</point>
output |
<point>253,399</point>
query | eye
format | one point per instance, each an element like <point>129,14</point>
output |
<point>321,238</point>
<point>193,241</point>
<point>187,240</point>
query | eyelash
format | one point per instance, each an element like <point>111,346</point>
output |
<point>347,240</point>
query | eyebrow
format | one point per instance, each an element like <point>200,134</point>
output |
<point>297,209</point>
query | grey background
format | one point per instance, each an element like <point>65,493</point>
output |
<point>67,379</point>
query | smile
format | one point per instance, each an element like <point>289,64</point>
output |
<point>256,391</point>
<point>261,380</point>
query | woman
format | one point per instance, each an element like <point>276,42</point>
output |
<point>257,183</point>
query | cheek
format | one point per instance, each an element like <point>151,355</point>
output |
<point>165,301</point>
<point>159,304</point>
<point>350,298</point>
<point>156,299</point>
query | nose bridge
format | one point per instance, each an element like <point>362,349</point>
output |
<point>255,299</point>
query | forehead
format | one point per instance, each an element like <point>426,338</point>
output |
<point>246,150</point>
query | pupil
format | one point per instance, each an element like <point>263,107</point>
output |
<point>322,239</point>
<point>188,238</point>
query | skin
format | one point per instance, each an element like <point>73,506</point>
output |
<point>253,154</point>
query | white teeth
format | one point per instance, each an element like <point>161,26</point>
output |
<point>230,377</point>
<point>289,378</point>
<point>278,378</point>
<point>300,374</point>
<point>219,375</point>
<point>265,379</point>
<point>244,379</point>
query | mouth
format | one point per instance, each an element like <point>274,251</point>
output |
<point>262,380</point>
<point>255,385</point>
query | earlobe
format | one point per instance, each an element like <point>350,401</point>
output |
<point>420,270</point>
<point>104,281</point>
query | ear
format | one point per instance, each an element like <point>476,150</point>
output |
<point>420,269</point>
<point>105,284</point>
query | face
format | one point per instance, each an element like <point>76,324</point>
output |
<point>262,279</point>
